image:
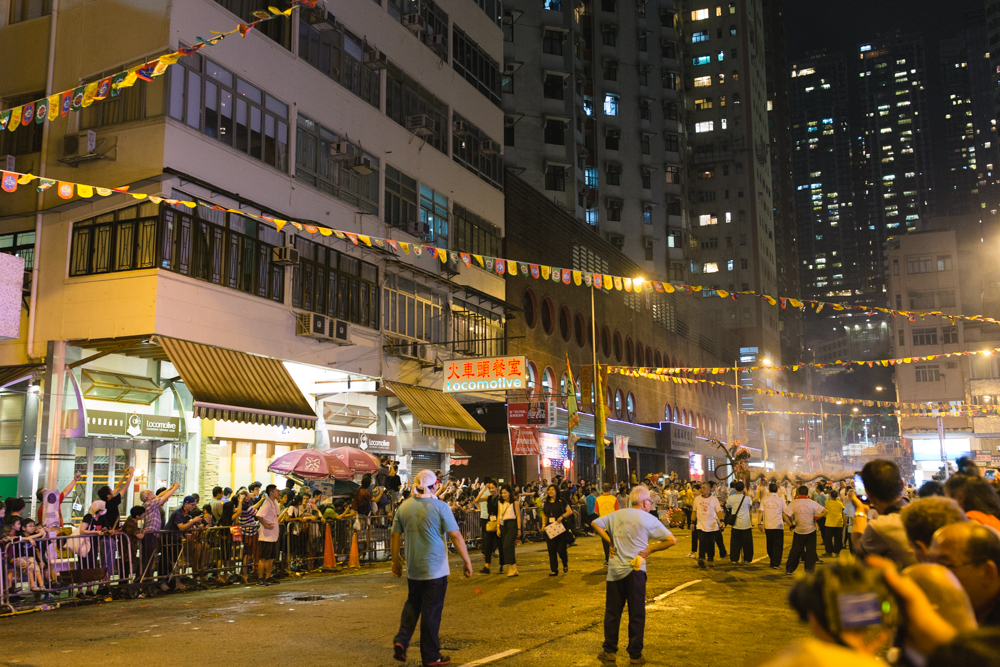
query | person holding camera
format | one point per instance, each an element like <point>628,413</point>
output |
<point>803,511</point>
<point>883,535</point>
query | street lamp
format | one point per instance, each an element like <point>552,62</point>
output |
<point>879,388</point>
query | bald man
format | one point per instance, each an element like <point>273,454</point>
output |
<point>972,552</point>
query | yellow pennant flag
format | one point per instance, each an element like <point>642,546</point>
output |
<point>511,267</point>
<point>577,278</point>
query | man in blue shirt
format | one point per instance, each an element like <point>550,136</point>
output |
<point>628,532</point>
<point>424,520</point>
<point>591,500</point>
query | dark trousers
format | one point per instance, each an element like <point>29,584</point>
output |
<point>557,550</point>
<point>775,544</point>
<point>425,602</point>
<point>694,539</point>
<point>741,542</point>
<point>821,529</point>
<point>687,515</point>
<point>630,590</point>
<point>721,542</point>
<point>508,535</point>
<point>490,543</point>
<point>802,544</point>
<point>706,544</point>
<point>835,539</point>
<point>607,550</point>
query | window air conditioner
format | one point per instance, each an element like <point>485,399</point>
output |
<point>489,147</point>
<point>420,124</point>
<point>414,23</point>
<point>286,256</point>
<point>340,332</point>
<point>79,145</point>
<point>363,165</point>
<point>311,325</point>
<point>375,59</point>
<point>343,150</point>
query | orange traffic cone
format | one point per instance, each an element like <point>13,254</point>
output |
<point>354,560</point>
<point>329,555</point>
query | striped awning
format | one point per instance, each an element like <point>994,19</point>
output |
<point>440,415</point>
<point>13,374</point>
<point>236,386</point>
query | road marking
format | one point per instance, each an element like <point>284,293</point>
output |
<point>757,559</point>
<point>675,590</point>
<point>492,658</point>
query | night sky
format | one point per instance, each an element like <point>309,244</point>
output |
<point>845,24</point>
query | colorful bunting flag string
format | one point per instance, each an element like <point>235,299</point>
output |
<point>719,370</point>
<point>61,104</point>
<point>920,407</point>
<point>953,411</point>
<point>9,182</point>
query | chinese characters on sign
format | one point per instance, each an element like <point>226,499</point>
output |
<point>534,414</point>
<point>487,374</point>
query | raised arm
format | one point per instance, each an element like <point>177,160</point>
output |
<point>69,487</point>
<point>123,482</point>
<point>162,498</point>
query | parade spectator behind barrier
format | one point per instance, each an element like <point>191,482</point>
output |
<point>977,497</point>
<point>267,514</point>
<point>628,533</point>
<point>135,535</point>
<point>741,540</point>
<point>40,495</point>
<point>508,528</point>
<point>15,508</point>
<point>709,521</point>
<point>884,535</point>
<point>152,521</point>
<point>488,504</point>
<point>22,553</point>
<point>772,522</point>
<point>972,552</point>
<point>364,502</point>
<point>803,512</point>
<point>556,510</point>
<point>216,503</point>
<point>425,520</point>
<point>113,501</point>
<point>923,517</point>
<point>180,522</point>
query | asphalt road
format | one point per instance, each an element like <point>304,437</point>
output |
<point>722,616</point>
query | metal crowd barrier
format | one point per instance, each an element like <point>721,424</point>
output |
<point>48,566</point>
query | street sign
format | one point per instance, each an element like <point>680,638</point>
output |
<point>485,374</point>
<point>375,443</point>
<point>523,441</point>
<point>534,413</point>
<point>134,425</point>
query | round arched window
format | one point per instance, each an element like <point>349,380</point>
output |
<point>578,330</point>
<point>630,407</point>
<point>668,414</point>
<point>548,315</point>
<point>629,351</point>
<point>618,345</point>
<point>563,391</point>
<point>619,403</point>
<point>606,340</point>
<point>640,355</point>
<point>659,359</point>
<point>579,393</point>
<point>564,323</point>
<point>530,305</point>
<point>532,379</point>
<point>649,356</point>
<point>548,383</point>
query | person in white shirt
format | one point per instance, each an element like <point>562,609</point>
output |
<point>672,496</point>
<point>771,522</point>
<point>267,515</point>
<point>803,511</point>
<point>709,518</point>
<point>741,540</point>
<point>628,531</point>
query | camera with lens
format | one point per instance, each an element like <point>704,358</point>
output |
<point>845,596</point>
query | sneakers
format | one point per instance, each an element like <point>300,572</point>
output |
<point>399,652</point>
<point>565,569</point>
<point>261,582</point>
<point>641,660</point>
<point>701,563</point>
<point>605,563</point>
<point>692,555</point>
<point>607,657</point>
<point>440,662</point>
<point>485,570</point>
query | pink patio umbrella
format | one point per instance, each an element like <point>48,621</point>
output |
<point>310,464</point>
<point>357,460</point>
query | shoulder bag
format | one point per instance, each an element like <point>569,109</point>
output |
<point>731,516</point>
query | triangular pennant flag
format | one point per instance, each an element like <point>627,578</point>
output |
<point>512,267</point>
<point>588,279</point>
<point>103,88</point>
<point>352,237</point>
<point>546,272</point>
<point>366,239</point>
<point>88,94</point>
<point>443,256</point>
<point>392,243</point>
<point>312,229</point>
<point>556,275</point>
<point>489,263</point>
<point>104,192</point>
<point>417,249</point>
<point>628,284</point>
<point>4,119</point>
<point>65,190</point>
<point>66,103</point>
<point>577,278</point>
<point>45,183</point>
<point>479,259</point>
<point>501,267</point>
<point>27,113</point>
<point>84,190</point>
<point>41,110</point>
<point>566,277</point>
<point>534,271</point>
<point>405,246</point>
<point>618,283</point>
<point>15,119</point>
<point>466,258</point>
<point>24,179</point>
<point>325,231</point>
<point>524,269</point>
<point>608,282</point>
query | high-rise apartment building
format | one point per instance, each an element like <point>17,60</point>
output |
<point>824,179</point>
<point>895,172</point>
<point>591,93</point>
<point>968,181</point>
<point>993,46</point>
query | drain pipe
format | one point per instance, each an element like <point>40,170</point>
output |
<point>50,75</point>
